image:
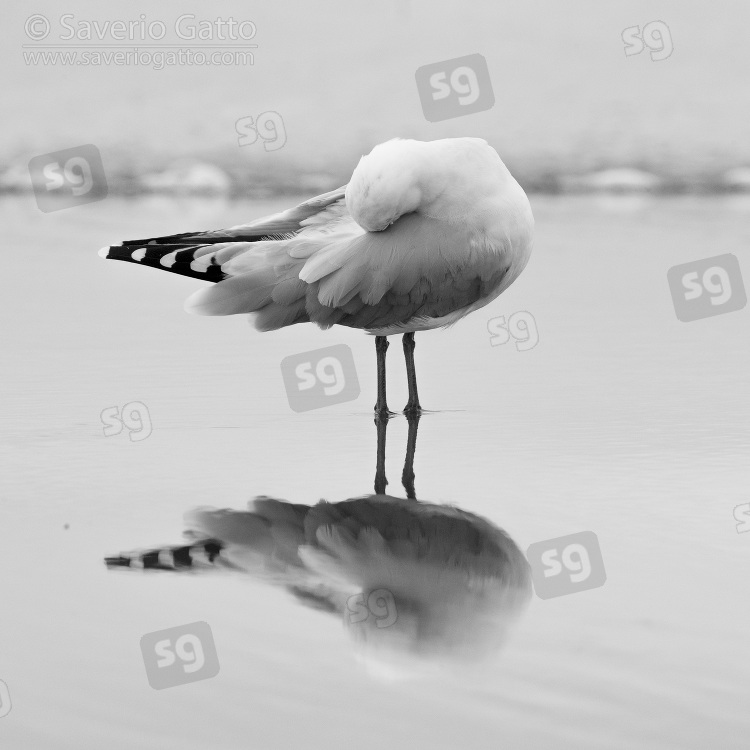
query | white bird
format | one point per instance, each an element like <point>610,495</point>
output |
<point>423,234</point>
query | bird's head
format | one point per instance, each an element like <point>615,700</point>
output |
<point>386,184</point>
<point>453,179</point>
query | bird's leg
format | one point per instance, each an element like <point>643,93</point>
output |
<point>412,407</point>
<point>381,407</point>
<point>407,477</point>
<point>381,422</point>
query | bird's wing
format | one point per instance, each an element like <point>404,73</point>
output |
<point>420,268</point>
<point>314,263</point>
<point>176,253</point>
<point>417,268</point>
<point>286,222</point>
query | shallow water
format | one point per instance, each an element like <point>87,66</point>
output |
<point>622,420</point>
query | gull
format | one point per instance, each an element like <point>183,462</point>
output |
<point>424,233</point>
<point>414,582</point>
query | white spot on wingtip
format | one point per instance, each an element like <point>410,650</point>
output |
<point>104,252</point>
<point>139,254</point>
<point>168,260</point>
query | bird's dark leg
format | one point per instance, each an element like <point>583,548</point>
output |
<point>381,422</point>
<point>381,407</point>
<point>407,477</point>
<point>412,407</point>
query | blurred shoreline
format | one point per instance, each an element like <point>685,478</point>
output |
<point>222,175</point>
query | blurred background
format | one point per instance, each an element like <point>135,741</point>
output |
<point>341,76</point>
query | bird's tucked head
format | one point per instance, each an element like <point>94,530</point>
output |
<point>386,184</point>
<point>453,179</point>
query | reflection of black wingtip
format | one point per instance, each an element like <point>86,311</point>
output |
<point>117,562</point>
<point>169,558</point>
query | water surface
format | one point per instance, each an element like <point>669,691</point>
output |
<point>621,420</point>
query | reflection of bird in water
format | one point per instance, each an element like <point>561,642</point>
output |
<point>410,578</point>
<point>423,234</point>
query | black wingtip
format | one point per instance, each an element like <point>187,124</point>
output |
<point>151,255</point>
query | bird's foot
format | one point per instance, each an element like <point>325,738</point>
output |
<point>383,413</point>
<point>413,409</point>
